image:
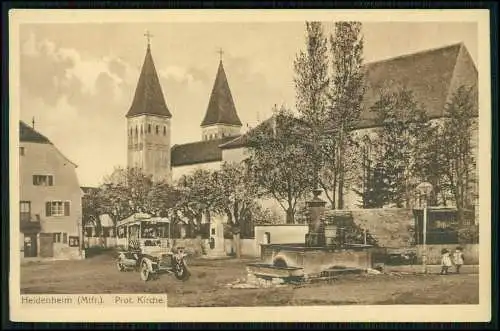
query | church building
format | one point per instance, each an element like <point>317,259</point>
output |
<point>432,75</point>
<point>149,128</point>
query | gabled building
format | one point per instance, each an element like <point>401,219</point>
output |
<point>50,199</point>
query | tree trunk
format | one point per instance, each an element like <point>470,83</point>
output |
<point>340,168</point>
<point>290,217</point>
<point>237,244</point>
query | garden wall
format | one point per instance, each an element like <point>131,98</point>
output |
<point>471,253</point>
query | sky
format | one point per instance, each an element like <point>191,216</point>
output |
<point>78,80</point>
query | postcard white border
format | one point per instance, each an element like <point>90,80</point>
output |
<point>389,313</point>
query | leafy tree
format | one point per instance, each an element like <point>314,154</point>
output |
<point>311,84</point>
<point>457,159</point>
<point>345,97</point>
<point>198,196</point>
<point>375,192</point>
<point>400,139</point>
<point>275,161</point>
<point>236,194</point>
<point>128,191</point>
<point>125,192</point>
<point>92,208</point>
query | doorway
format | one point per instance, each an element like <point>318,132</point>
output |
<point>46,245</point>
<point>30,245</point>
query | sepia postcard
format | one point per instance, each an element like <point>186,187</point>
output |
<point>250,166</point>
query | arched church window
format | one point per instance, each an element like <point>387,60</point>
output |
<point>164,130</point>
<point>136,131</point>
<point>157,130</point>
<point>149,128</point>
<point>141,130</point>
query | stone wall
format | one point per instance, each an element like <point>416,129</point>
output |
<point>471,253</point>
<point>248,247</point>
<point>390,226</point>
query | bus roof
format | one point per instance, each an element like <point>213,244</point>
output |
<point>140,217</point>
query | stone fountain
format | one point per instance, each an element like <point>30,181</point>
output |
<point>324,253</point>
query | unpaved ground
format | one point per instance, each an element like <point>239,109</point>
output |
<point>207,285</point>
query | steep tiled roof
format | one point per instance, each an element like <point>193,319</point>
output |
<point>221,109</point>
<point>198,152</point>
<point>28,134</point>
<point>241,141</point>
<point>431,75</point>
<point>148,98</point>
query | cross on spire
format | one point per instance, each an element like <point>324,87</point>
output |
<point>148,36</point>
<point>220,53</point>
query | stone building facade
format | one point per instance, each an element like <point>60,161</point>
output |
<point>50,199</point>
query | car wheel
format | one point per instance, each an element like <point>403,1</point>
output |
<point>145,273</point>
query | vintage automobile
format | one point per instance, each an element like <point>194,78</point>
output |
<point>147,248</point>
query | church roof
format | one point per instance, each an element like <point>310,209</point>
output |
<point>432,75</point>
<point>28,134</point>
<point>221,109</point>
<point>198,152</point>
<point>149,98</point>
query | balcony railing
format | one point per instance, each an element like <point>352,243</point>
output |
<point>30,223</point>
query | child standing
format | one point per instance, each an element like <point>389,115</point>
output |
<point>445,261</point>
<point>458,259</point>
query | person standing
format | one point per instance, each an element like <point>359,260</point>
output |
<point>458,259</point>
<point>445,261</point>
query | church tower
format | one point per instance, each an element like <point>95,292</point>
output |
<point>148,124</point>
<point>221,119</point>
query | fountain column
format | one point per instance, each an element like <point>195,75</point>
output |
<point>315,237</point>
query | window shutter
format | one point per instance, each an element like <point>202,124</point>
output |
<point>51,180</point>
<point>47,209</point>
<point>65,238</point>
<point>66,208</point>
<point>34,180</point>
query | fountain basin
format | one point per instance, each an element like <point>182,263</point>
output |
<point>312,261</point>
<point>272,271</point>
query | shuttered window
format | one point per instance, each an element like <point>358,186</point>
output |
<point>57,208</point>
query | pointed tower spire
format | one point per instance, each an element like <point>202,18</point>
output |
<point>221,109</point>
<point>149,98</point>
